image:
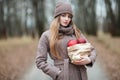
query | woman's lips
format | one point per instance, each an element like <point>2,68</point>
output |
<point>65,22</point>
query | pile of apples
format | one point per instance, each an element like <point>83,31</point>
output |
<point>77,48</point>
<point>78,41</point>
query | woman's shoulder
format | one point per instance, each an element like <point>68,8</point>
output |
<point>46,33</point>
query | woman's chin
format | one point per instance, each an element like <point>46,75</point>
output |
<point>65,25</point>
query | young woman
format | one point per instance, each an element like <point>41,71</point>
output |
<point>54,42</point>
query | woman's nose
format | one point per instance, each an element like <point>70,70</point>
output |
<point>66,18</point>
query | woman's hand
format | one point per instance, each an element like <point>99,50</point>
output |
<point>83,61</point>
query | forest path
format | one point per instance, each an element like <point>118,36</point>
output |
<point>97,72</point>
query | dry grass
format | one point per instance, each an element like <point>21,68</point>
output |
<point>113,43</point>
<point>16,54</point>
<point>108,54</point>
<point>15,41</point>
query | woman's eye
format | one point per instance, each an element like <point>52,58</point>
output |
<point>63,15</point>
<point>70,17</point>
<point>66,15</point>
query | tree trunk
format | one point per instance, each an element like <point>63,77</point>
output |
<point>113,27</point>
<point>93,29</point>
<point>88,17</point>
<point>118,17</point>
<point>3,31</point>
<point>39,15</point>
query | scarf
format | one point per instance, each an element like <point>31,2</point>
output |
<point>68,30</point>
<point>62,43</point>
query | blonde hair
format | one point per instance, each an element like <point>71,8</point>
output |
<point>54,30</point>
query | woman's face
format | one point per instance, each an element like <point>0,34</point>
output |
<point>65,19</point>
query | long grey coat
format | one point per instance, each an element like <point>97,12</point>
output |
<point>68,70</point>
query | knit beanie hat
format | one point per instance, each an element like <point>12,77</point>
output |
<point>62,7</point>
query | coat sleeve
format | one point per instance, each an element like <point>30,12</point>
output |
<point>92,56</point>
<point>41,58</point>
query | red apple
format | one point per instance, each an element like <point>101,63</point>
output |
<point>81,40</point>
<point>72,42</point>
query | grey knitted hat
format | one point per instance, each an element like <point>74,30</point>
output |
<point>62,7</point>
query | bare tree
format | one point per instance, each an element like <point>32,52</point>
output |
<point>3,29</point>
<point>118,17</point>
<point>114,20</point>
<point>87,16</point>
<point>39,15</point>
<point>11,21</point>
<point>111,16</point>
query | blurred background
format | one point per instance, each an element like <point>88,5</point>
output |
<point>23,21</point>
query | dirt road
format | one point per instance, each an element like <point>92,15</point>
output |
<point>18,62</point>
<point>97,72</point>
<point>94,73</point>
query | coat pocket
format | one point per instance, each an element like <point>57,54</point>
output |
<point>61,74</point>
